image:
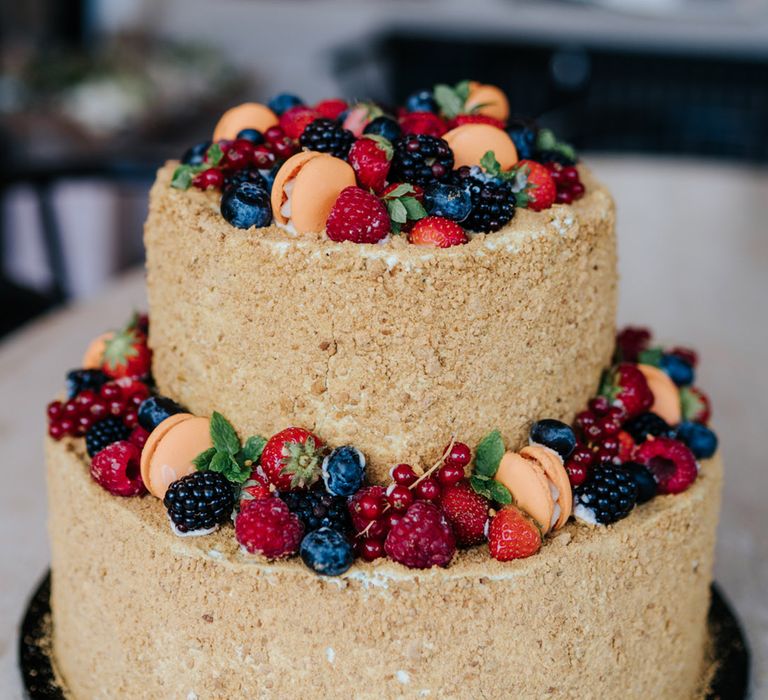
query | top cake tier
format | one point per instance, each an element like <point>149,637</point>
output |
<point>391,347</point>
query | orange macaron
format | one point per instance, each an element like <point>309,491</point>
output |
<point>470,142</point>
<point>94,354</point>
<point>666,395</point>
<point>488,100</point>
<point>250,115</point>
<point>553,467</point>
<point>168,453</point>
<point>306,187</point>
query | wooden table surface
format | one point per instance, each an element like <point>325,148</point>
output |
<point>693,242</point>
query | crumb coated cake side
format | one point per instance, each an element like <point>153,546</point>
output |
<point>388,346</point>
<point>608,612</point>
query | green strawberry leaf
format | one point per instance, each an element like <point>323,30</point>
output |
<point>691,404</point>
<point>500,493</point>
<point>223,435</point>
<point>651,356</point>
<point>547,141</point>
<point>253,448</point>
<point>182,177</point>
<point>462,90</point>
<point>482,485</point>
<point>203,461</point>
<point>489,163</point>
<point>383,143</point>
<point>449,100</point>
<point>488,454</point>
<point>400,191</point>
<point>213,156</point>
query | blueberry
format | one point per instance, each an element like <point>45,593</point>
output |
<point>283,102</point>
<point>155,409</point>
<point>344,470</point>
<point>251,175</point>
<point>554,434</point>
<point>678,369</point>
<point>252,135</point>
<point>449,201</point>
<point>646,484</point>
<point>196,154</point>
<point>269,176</point>
<point>523,135</point>
<point>327,552</point>
<point>383,126</point>
<point>246,205</point>
<point>700,439</point>
<point>80,379</point>
<point>421,101</point>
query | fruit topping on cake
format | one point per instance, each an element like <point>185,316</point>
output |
<point>421,538</point>
<point>513,535</point>
<point>327,552</point>
<point>608,495</point>
<point>327,136</point>
<point>467,512</point>
<point>358,216</point>
<point>198,503</point>
<point>626,386</point>
<point>267,527</point>
<point>250,115</point>
<point>343,471</point>
<point>292,459</point>
<point>470,142</point>
<point>370,158</point>
<point>670,461</point>
<point>555,435</point>
<point>437,232</point>
<point>116,468</point>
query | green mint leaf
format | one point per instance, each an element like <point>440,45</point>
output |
<point>488,454</point>
<point>253,448</point>
<point>182,177</point>
<point>220,462</point>
<point>500,493</point>
<point>223,435</point>
<point>414,208</point>
<point>397,211</point>
<point>652,356</point>
<point>448,100</point>
<point>462,90</point>
<point>691,404</point>
<point>482,485</point>
<point>213,155</point>
<point>400,191</point>
<point>383,143</point>
<point>395,227</point>
<point>234,471</point>
<point>203,460</point>
<point>489,163</point>
<point>607,385</point>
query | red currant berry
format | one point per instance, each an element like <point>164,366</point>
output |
<point>139,437</point>
<point>563,197</point>
<point>593,433</point>
<point>131,418</point>
<point>56,431</point>
<point>71,410</point>
<point>274,134</point>
<point>371,549</point>
<point>428,490</point>
<point>137,400</point>
<point>55,410</point>
<point>262,158</point>
<point>577,473</point>
<point>378,529</point>
<point>449,474</point>
<point>211,179</point>
<point>85,422</point>
<point>117,407</point>
<point>399,497</point>
<point>239,154</point>
<point>617,412</point>
<point>86,398</point>
<point>582,457</point>
<point>98,408</point>
<point>609,426</point>
<point>392,519</point>
<point>609,445</point>
<point>577,190</point>
<point>371,506</point>
<point>284,149</point>
<point>570,174</point>
<point>404,475</point>
<point>67,425</point>
<point>111,391</point>
<point>599,405</point>
<point>459,456</point>
<point>585,419</point>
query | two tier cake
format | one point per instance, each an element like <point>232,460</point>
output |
<point>380,439</point>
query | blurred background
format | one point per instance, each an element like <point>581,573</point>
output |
<point>667,100</point>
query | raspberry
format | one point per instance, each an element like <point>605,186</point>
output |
<point>295,120</point>
<point>268,527</point>
<point>513,535</point>
<point>199,501</point>
<point>331,109</point>
<point>422,538</point>
<point>104,433</point>
<point>327,136</point>
<point>467,512</point>
<point>420,159</point>
<point>671,463</point>
<point>422,123</point>
<point>608,495</point>
<point>358,216</point>
<point>317,508</point>
<point>117,468</point>
<point>630,342</point>
<point>493,202</point>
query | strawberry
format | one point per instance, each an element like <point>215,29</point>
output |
<point>540,190</point>
<point>370,157</point>
<point>467,512</point>
<point>423,123</point>
<point>292,459</point>
<point>295,120</point>
<point>671,463</point>
<point>625,385</point>
<point>513,535</point>
<point>360,115</point>
<point>461,119</point>
<point>331,109</point>
<point>695,404</point>
<point>357,216</point>
<point>437,231</point>
<point>256,488</point>
<point>126,354</point>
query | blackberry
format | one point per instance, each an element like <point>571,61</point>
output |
<point>646,484</point>
<point>252,175</point>
<point>645,424</point>
<point>493,201</point>
<point>200,501</point>
<point>608,495</point>
<point>327,136</point>
<point>81,379</point>
<point>420,159</point>
<point>317,508</point>
<point>104,433</point>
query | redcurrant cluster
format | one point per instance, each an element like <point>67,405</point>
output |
<point>567,181</point>
<point>375,510</point>
<point>597,431</point>
<point>244,153</point>
<point>73,418</point>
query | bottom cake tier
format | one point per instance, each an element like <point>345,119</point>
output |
<point>617,611</point>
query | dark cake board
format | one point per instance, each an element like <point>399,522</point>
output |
<point>729,650</point>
